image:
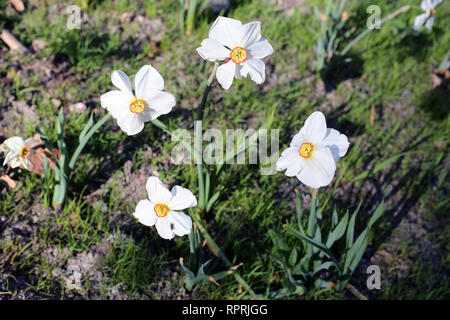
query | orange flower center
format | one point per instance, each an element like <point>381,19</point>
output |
<point>432,13</point>
<point>306,150</point>
<point>24,152</point>
<point>161,210</point>
<point>137,106</point>
<point>238,55</point>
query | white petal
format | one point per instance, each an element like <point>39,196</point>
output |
<point>225,74</point>
<point>255,68</point>
<point>251,32</point>
<point>15,162</point>
<point>426,5</point>
<point>336,142</point>
<point>260,49</point>
<point>181,223</point>
<point>14,143</point>
<point>315,127</point>
<point>131,123</point>
<point>420,20</point>
<point>297,140</point>
<point>148,79</point>
<point>145,213</point>
<point>117,102</point>
<point>25,163</point>
<point>157,191</point>
<point>290,160</point>
<point>318,171</point>
<point>430,22</point>
<point>226,31</point>
<point>164,228</point>
<point>435,3</point>
<point>12,154</point>
<point>121,81</point>
<point>182,198</point>
<point>158,103</point>
<point>212,50</point>
<point>29,140</point>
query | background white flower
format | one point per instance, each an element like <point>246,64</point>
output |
<point>161,210</point>
<point>313,152</point>
<point>428,17</point>
<point>148,102</point>
<point>18,152</point>
<point>242,48</point>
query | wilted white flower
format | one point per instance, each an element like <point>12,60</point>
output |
<point>147,102</point>
<point>313,152</point>
<point>162,209</point>
<point>428,17</point>
<point>242,48</point>
<point>18,152</point>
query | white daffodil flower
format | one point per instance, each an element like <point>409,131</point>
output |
<point>162,209</point>
<point>242,48</point>
<point>426,18</point>
<point>147,102</point>
<point>18,152</point>
<point>313,152</point>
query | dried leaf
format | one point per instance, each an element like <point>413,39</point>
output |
<point>38,153</point>
<point>10,182</point>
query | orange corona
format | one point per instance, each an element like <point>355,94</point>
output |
<point>161,210</point>
<point>24,152</point>
<point>238,55</point>
<point>137,106</point>
<point>306,150</point>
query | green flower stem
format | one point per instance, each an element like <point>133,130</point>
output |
<point>366,32</point>
<point>222,256</point>
<point>203,201</point>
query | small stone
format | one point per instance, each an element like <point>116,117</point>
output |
<point>38,45</point>
<point>56,102</point>
<point>79,107</point>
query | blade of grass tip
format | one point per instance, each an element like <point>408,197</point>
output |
<point>222,256</point>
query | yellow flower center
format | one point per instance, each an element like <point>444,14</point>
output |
<point>137,106</point>
<point>432,13</point>
<point>306,150</point>
<point>24,152</point>
<point>238,55</point>
<point>161,210</point>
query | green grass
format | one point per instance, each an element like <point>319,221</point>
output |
<point>400,156</point>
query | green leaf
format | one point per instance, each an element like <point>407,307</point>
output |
<point>351,228</point>
<point>354,249</point>
<point>316,244</point>
<point>212,200</point>
<point>298,208</point>
<point>293,258</point>
<point>278,242</point>
<point>323,266</point>
<point>338,232</point>
<point>86,128</point>
<point>334,218</point>
<point>359,253</point>
<point>377,214</point>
